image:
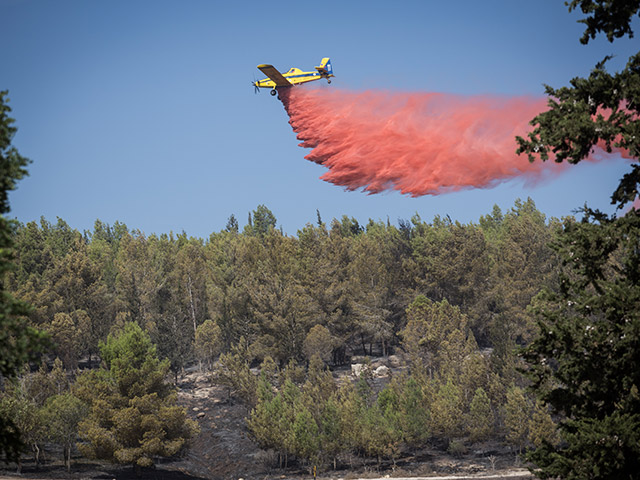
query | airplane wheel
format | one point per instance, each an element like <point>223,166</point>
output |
<point>328,81</point>
<point>273,92</point>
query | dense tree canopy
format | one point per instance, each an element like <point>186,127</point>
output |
<point>448,298</point>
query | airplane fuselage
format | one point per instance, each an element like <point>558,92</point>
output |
<point>295,76</point>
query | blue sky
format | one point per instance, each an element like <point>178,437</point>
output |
<point>143,112</point>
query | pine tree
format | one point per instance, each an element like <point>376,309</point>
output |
<point>331,430</point>
<point>446,410</point>
<point>585,362</point>
<point>266,417</point>
<point>480,417</point>
<point>306,438</point>
<point>19,342</point>
<point>133,416</point>
<point>415,415</point>
<point>208,343</point>
<point>542,428</point>
<point>599,110</point>
<point>517,411</point>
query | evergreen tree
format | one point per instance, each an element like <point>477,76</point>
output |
<point>235,372</point>
<point>446,410</point>
<point>585,362</point>
<point>517,411</point>
<point>331,430</point>
<point>599,110</point>
<point>133,416</point>
<point>306,438</point>
<point>208,342</point>
<point>319,342</point>
<point>414,415</point>
<point>266,417</point>
<point>261,223</point>
<point>542,428</point>
<point>19,342</point>
<point>437,337</point>
<point>480,417</point>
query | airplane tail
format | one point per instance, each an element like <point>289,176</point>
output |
<point>325,67</point>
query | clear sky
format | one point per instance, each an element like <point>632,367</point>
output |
<point>143,112</point>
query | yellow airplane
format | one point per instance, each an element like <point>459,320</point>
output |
<point>293,77</point>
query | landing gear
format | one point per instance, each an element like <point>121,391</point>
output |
<point>273,92</point>
<point>328,80</point>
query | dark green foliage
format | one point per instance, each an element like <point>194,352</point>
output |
<point>19,342</point>
<point>413,413</point>
<point>586,361</point>
<point>603,448</point>
<point>12,164</point>
<point>613,17</point>
<point>260,224</point>
<point>599,110</point>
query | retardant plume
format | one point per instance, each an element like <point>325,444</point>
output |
<point>417,143</point>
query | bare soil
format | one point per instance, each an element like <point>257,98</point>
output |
<point>224,450</point>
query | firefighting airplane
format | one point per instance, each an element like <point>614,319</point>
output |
<point>294,76</point>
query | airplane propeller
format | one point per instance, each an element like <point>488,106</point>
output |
<point>256,89</point>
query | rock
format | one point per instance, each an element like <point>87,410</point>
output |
<point>196,409</point>
<point>356,369</point>
<point>200,415</point>
<point>382,371</point>
<point>394,361</point>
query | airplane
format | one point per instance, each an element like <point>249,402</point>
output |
<point>294,76</point>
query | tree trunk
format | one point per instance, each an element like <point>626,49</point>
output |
<point>192,305</point>
<point>67,451</point>
<point>36,454</point>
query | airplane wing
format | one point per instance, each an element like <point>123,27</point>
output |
<point>271,72</point>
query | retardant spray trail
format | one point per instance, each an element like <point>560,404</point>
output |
<point>417,143</point>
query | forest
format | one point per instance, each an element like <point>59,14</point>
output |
<point>518,330</point>
<point>271,315</point>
